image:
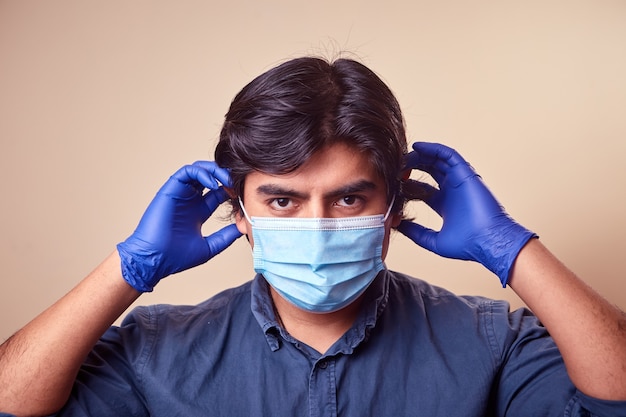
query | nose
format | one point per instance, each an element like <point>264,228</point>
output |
<point>317,209</point>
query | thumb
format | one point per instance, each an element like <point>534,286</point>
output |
<point>423,236</point>
<point>222,239</point>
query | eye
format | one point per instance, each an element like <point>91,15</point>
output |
<point>349,201</point>
<point>280,203</point>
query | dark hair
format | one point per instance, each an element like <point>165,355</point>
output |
<point>281,118</point>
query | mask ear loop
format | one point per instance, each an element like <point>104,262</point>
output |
<point>245,214</point>
<point>393,200</point>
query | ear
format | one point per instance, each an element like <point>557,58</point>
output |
<point>240,220</point>
<point>396,219</point>
<point>241,223</point>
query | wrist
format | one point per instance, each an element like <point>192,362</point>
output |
<point>138,269</point>
<point>503,247</point>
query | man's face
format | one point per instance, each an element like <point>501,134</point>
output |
<point>337,181</point>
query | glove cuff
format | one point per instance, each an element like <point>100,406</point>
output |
<point>504,247</point>
<point>138,269</point>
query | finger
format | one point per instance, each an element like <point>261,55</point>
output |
<point>214,198</point>
<point>443,163</point>
<point>222,239</point>
<point>431,151</point>
<point>427,163</point>
<point>423,236</point>
<point>411,160</point>
<point>414,160</point>
<point>195,176</point>
<point>215,171</point>
<point>417,190</point>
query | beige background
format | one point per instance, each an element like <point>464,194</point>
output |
<point>101,101</point>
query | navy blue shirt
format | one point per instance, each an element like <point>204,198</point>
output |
<point>415,350</point>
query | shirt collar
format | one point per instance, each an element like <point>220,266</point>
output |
<point>374,302</point>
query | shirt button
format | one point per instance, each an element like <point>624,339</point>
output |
<point>323,364</point>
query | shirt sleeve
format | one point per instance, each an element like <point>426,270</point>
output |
<point>533,379</point>
<point>109,381</point>
<point>583,405</point>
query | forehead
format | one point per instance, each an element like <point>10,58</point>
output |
<point>330,168</point>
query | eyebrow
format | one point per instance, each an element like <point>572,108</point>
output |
<point>346,189</point>
<point>352,188</point>
<point>275,189</point>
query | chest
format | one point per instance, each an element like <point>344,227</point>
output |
<point>377,378</point>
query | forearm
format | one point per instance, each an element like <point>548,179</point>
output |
<point>589,332</point>
<point>39,363</point>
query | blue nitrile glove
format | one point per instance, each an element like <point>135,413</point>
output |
<point>169,237</point>
<point>475,226</point>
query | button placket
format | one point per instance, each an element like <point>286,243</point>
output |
<point>323,389</point>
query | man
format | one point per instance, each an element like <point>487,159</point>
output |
<point>313,159</point>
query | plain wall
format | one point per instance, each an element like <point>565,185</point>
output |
<point>101,101</point>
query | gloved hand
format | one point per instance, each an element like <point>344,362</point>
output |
<point>169,237</point>
<point>475,226</point>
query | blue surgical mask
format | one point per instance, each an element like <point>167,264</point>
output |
<point>318,264</point>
